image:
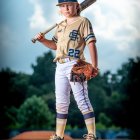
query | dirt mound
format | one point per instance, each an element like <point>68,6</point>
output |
<point>37,135</point>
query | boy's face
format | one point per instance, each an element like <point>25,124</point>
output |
<point>69,9</point>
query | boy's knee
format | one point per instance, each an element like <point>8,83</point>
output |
<point>62,107</point>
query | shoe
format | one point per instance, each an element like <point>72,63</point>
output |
<point>89,136</point>
<point>55,137</point>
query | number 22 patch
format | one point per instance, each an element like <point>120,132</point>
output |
<point>74,53</point>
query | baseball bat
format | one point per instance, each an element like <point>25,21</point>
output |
<point>83,6</point>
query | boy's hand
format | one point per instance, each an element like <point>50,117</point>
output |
<point>95,72</point>
<point>40,37</point>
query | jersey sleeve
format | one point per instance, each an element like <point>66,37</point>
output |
<point>88,32</point>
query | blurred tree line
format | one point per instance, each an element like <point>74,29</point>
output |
<point>28,101</point>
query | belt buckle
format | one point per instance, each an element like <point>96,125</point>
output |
<point>67,59</point>
<point>64,60</point>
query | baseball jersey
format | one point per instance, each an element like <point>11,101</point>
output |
<point>72,39</point>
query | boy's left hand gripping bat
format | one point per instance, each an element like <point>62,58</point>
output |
<point>83,5</point>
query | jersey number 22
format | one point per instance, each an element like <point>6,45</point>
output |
<point>74,53</point>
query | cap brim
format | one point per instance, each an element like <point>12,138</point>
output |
<point>65,3</point>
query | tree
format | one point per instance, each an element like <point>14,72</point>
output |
<point>13,86</point>
<point>98,93</point>
<point>130,74</point>
<point>13,93</point>
<point>35,114</point>
<point>42,80</point>
<point>114,107</point>
<point>103,119</point>
<point>44,72</point>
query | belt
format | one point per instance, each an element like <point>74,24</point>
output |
<point>64,60</point>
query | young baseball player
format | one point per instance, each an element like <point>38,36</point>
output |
<point>69,41</point>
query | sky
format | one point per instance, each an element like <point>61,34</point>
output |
<point>115,23</point>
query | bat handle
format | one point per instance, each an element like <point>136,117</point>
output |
<point>34,40</point>
<point>49,29</point>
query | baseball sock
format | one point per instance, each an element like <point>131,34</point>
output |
<point>90,122</point>
<point>61,121</point>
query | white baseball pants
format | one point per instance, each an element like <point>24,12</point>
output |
<point>63,87</point>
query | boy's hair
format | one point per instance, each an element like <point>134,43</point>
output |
<point>79,10</point>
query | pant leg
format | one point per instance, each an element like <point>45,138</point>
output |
<point>62,90</point>
<point>80,92</point>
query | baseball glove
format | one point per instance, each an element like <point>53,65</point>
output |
<point>82,71</point>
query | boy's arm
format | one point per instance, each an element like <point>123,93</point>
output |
<point>48,43</point>
<point>93,54</point>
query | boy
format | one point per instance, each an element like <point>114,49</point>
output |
<point>69,41</point>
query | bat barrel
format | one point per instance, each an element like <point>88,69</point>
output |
<point>86,4</point>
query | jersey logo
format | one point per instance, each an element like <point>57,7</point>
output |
<point>73,35</point>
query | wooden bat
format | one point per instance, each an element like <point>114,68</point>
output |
<point>83,6</point>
